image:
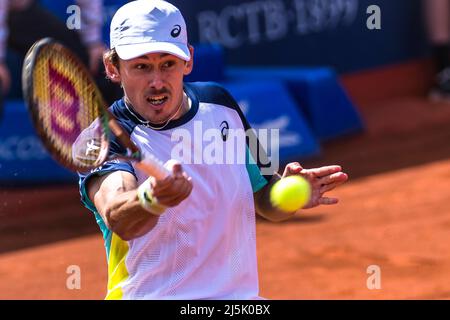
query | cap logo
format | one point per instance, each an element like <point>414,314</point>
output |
<point>176,31</point>
<point>122,27</point>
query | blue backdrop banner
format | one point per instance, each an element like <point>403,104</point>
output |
<point>298,32</point>
<point>268,105</point>
<point>23,159</point>
<point>309,32</point>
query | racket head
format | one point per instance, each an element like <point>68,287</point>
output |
<point>66,107</point>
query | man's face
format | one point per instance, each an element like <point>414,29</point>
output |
<point>153,84</point>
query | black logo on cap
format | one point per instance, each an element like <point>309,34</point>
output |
<point>176,31</point>
<point>224,130</point>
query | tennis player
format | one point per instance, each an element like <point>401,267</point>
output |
<point>203,245</point>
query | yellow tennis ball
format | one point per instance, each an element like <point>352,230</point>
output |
<point>291,193</point>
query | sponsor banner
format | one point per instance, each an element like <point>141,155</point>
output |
<point>268,105</point>
<point>23,158</point>
<point>348,35</point>
<point>318,93</point>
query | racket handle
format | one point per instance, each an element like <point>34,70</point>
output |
<point>153,167</point>
<point>147,201</point>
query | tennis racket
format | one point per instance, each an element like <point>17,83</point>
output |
<point>70,115</point>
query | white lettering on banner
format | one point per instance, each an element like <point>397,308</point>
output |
<point>251,11</point>
<point>271,20</point>
<point>319,15</point>
<point>229,16</point>
<point>21,148</point>
<point>276,22</point>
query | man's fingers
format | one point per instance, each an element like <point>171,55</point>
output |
<point>174,167</point>
<point>328,201</point>
<point>174,188</point>
<point>177,170</point>
<point>179,198</point>
<point>162,185</point>
<point>334,177</point>
<point>185,189</point>
<point>325,171</point>
<point>329,187</point>
<point>292,168</point>
<point>171,200</point>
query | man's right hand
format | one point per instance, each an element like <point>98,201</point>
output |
<point>176,187</point>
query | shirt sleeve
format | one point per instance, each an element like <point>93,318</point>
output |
<point>107,167</point>
<point>258,164</point>
<point>115,150</point>
<point>91,20</point>
<point>257,180</point>
<point>256,155</point>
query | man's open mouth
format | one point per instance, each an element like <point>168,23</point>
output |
<point>157,100</point>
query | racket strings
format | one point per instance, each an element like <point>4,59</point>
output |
<point>69,108</point>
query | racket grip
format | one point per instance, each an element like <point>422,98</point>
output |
<point>147,201</point>
<point>153,167</point>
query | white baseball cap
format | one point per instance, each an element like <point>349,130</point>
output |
<point>147,26</point>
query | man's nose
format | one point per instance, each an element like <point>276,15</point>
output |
<point>156,80</point>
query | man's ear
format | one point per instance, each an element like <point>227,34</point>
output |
<point>189,64</point>
<point>111,71</point>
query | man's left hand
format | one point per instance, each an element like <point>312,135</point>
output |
<point>322,180</point>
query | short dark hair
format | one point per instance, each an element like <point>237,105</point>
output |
<point>112,56</point>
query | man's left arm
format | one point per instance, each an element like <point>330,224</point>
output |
<point>322,180</point>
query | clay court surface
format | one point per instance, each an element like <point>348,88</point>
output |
<point>394,213</point>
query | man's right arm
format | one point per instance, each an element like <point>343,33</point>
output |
<point>115,198</point>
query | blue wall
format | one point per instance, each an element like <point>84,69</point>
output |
<point>298,32</point>
<point>308,32</point>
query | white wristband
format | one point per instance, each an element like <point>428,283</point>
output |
<point>147,201</point>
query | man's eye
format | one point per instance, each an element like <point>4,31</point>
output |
<point>141,66</point>
<point>168,64</point>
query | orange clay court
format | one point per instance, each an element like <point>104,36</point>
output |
<point>394,213</point>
